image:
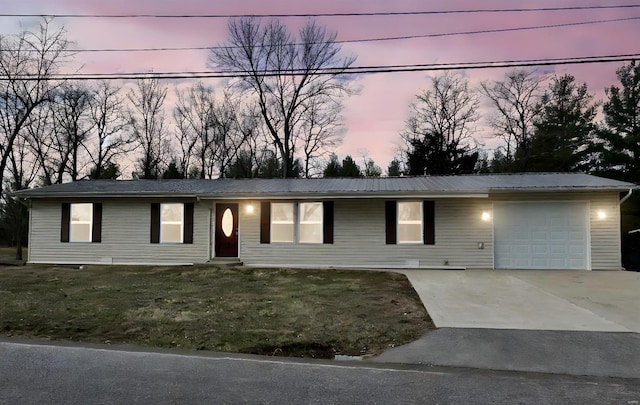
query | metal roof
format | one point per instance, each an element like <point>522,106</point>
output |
<point>331,187</point>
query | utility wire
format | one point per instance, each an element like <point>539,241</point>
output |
<point>354,14</point>
<point>364,40</point>
<point>337,70</point>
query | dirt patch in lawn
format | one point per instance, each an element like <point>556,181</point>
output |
<point>288,312</point>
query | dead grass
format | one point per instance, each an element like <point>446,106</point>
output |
<point>311,313</point>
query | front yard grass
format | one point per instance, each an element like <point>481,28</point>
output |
<point>308,313</point>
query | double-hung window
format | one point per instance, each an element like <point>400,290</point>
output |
<point>282,222</point>
<point>81,222</point>
<point>410,222</point>
<point>299,222</point>
<point>171,223</point>
<point>310,222</point>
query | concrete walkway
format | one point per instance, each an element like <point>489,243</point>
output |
<point>531,300</point>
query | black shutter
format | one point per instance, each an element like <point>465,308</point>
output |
<point>188,223</point>
<point>155,223</point>
<point>65,222</point>
<point>96,233</point>
<point>390,220</point>
<point>327,222</point>
<point>428,222</point>
<point>265,222</point>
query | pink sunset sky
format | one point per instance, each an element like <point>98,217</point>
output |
<point>374,117</point>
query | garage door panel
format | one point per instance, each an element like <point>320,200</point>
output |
<point>539,249</point>
<point>541,235</point>
<point>558,236</point>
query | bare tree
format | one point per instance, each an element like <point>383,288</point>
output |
<point>440,127</point>
<point>71,108</point>
<point>229,133</point>
<point>194,117</point>
<point>208,130</point>
<point>27,62</point>
<point>147,121</point>
<point>321,131</point>
<point>22,172</point>
<point>514,101</point>
<point>110,123</point>
<point>38,133</point>
<point>255,152</point>
<point>285,74</point>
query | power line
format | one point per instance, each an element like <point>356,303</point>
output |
<point>379,39</point>
<point>354,14</point>
<point>342,71</point>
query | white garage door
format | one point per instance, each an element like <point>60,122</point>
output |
<point>541,235</point>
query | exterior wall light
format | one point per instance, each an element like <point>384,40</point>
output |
<point>250,209</point>
<point>486,216</point>
<point>601,214</point>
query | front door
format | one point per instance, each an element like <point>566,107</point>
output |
<point>226,235</point>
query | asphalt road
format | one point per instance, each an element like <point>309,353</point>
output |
<point>48,374</point>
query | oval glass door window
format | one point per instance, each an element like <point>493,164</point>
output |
<point>227,222</point>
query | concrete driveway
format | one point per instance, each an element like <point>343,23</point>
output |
<point>534,300</point>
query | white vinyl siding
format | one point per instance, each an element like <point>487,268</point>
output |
<point>310,224</point>
<point>171,223</point>
<point>81,224</point>
<point>360,239</point>
<point>125,236</point>
<point>410,222</point>
<point>359,235</point>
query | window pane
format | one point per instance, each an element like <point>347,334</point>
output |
<point>227,222</point>
<point>409,211</point>
<point>282,212</point>
<point>282,232</point>
<point>80,226</point>
<point>311,212</point>
<point>311,233</point>
<point>171,222</point>
<point>409,233</point>
<point>310,229</point>
<point>172,212</point>
<point>171,233</point>
<point>81,212</point>
<point>80,233</point>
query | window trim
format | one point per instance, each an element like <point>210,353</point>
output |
<point>410,222</point>
<point>181,222</point>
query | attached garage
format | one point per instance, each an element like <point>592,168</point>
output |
<point>542,235</point>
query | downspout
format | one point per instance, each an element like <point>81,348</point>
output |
<point>626,197</point>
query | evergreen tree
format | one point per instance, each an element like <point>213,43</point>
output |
<point>350,168</point>
<point>333,168</point>
<point>563,128</point>
<point>393,170</point>
<point>618,142</point>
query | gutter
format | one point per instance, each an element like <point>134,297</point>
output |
<point>626,197</point>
